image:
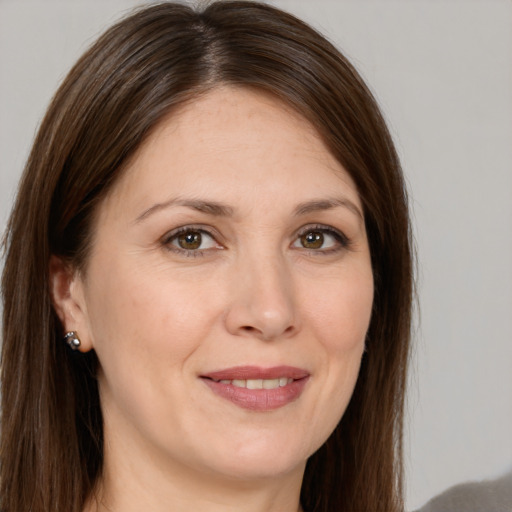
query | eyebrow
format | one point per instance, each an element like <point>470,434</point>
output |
<point>209,207</point>
<point>327,204</point>
<point>217,209</point>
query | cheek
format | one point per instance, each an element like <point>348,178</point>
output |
<point>130,304</point>
<point>341,311</point>
<point>143,323</point>
<point>348,319</point>
<point>340,316</point>
<point>145,329</point>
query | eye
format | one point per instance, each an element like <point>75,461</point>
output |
<point>321,239</point>
<point>190,240</point>
<point>314,240</point>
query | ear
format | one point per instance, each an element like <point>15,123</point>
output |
<point>67,293</point>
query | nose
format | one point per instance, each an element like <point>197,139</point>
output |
<point>263,302</point>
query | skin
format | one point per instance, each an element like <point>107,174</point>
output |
<point>255,292</point>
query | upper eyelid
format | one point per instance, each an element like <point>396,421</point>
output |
<point>215,235</point>
<point>208,230</point>
<point>213,232</point>
<point>320,227</point>
<point>344,241</point>
<point>168,239</point>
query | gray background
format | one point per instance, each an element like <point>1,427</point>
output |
<point>442,71</point>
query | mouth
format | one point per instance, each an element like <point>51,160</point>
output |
<point>257,383</point>
<point>258,389</point>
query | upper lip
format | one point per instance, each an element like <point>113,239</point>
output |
<point>257,372</point>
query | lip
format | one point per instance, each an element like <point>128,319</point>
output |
<point>257,372</point>
<point>258,399</point>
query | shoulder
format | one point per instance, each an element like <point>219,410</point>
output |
<point>485,496</point>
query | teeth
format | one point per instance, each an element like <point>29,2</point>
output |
<point>254,384</point>
<point>270,383</point>
<point>258,383</point>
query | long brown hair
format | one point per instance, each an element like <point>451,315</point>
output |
<point>132,77</point>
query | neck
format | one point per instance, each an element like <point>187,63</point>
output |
<point>134,495</point>
<point>133,483</point>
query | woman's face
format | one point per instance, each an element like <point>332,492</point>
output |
<point>231,255</point>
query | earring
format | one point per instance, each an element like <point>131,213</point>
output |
<point>72,339</point>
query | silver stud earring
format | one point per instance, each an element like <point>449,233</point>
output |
<point>72,339</point>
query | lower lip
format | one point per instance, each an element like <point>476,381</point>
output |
<point>259,399</point>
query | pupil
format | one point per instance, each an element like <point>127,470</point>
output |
<point>313,240</point>
<point>191,240</point>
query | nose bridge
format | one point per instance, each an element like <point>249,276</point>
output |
<point>263,302</point>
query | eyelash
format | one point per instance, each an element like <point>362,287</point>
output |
<point>343,242</point>
<point>173,235</point>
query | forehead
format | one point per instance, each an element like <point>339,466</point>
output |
<point>232,141</point>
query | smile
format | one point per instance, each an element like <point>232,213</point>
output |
<point>258,389</point>
<point>258,383</point>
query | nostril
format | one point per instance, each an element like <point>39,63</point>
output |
<point>266,334</point>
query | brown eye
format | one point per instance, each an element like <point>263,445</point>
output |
<point>312,240</point>
<point>190,240</point>
<point>321,240</point>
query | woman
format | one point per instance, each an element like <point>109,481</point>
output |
<point>208,282</point>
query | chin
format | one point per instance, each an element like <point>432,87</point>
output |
<point>259,470</point>
<point>259,458</point>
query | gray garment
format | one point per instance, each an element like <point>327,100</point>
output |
<point>486,496</point>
